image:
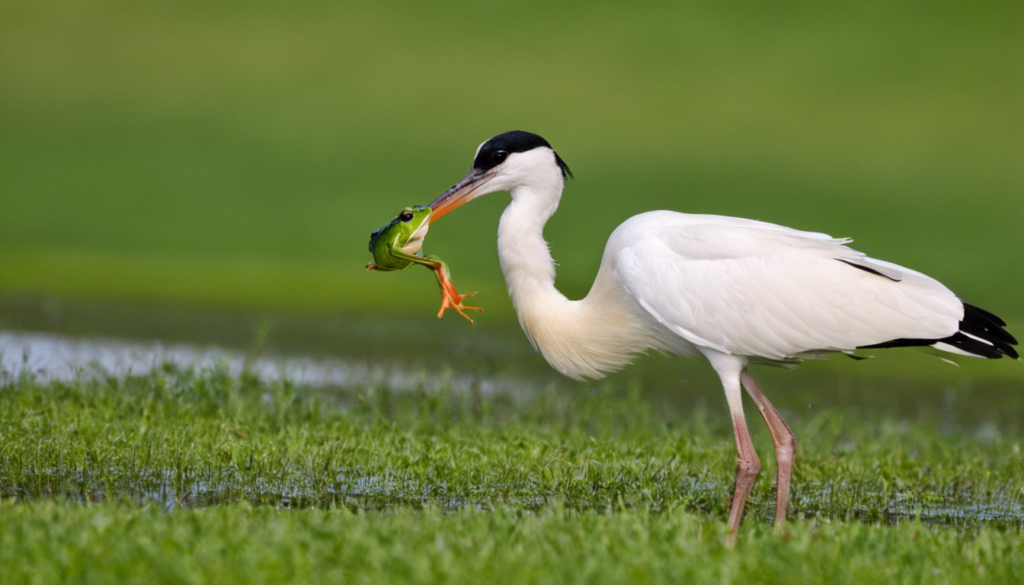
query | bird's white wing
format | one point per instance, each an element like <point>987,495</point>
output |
<point>751,288</point>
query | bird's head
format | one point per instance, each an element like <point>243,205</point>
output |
<point>503,163</point>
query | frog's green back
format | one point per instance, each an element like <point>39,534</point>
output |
<point>377,233</point>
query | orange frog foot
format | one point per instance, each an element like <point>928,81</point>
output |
<point>450,298</point>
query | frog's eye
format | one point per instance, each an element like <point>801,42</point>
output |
<point>406,216</point>
<point>499,156</point>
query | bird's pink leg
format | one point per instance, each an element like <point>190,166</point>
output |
<point>747,463</point>
<point>785,443</point>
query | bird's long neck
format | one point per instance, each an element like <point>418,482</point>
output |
<point>525,257</point>
<point>581,338</point>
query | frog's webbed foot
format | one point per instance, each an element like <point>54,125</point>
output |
<point>371,266</point>
<point>450,298</point>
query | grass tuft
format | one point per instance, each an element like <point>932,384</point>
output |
<point>193,475</point>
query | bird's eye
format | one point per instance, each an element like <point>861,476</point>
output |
<point>406,216</point>
<point>499,156</point>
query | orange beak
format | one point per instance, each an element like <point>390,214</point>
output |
<point>461,193</point>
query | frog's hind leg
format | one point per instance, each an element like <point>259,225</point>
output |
<point>450,298</point>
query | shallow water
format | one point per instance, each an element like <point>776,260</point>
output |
<point>403,351</point>
<point>387,491</point>
<point>57,357</point>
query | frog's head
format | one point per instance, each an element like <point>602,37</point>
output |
<point>415,222</point>
<point>405,232</point>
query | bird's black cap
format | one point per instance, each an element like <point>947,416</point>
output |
<point>490,155</point>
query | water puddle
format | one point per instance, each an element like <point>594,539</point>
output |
<point>390,490</point>
<point>56,357</point>
<point>948,507</point>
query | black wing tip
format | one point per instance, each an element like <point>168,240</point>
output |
<point>981,324</point>
<point>981,334</point>
<point>972,312</point>
<point>989,348</point>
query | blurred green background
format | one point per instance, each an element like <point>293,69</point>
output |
<point>239,153</point>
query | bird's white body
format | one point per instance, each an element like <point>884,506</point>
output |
<point>734,291</point>
<point>683,284</point>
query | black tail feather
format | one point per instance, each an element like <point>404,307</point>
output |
<point>979,348</point>
<point>982,323</point>
<point>981,334</point>
<point>980,313</point>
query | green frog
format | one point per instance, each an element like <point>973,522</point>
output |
<point>397,245</point>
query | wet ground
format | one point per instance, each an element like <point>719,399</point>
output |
<point>343,355</point>
<point>400,352</point>
<point>385,492</point>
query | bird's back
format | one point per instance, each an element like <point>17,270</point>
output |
<point>757,289</point>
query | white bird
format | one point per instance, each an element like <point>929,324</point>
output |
<point>735,291</point>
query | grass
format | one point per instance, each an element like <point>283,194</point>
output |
<point>124,544</point>
<point>186,476</point>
